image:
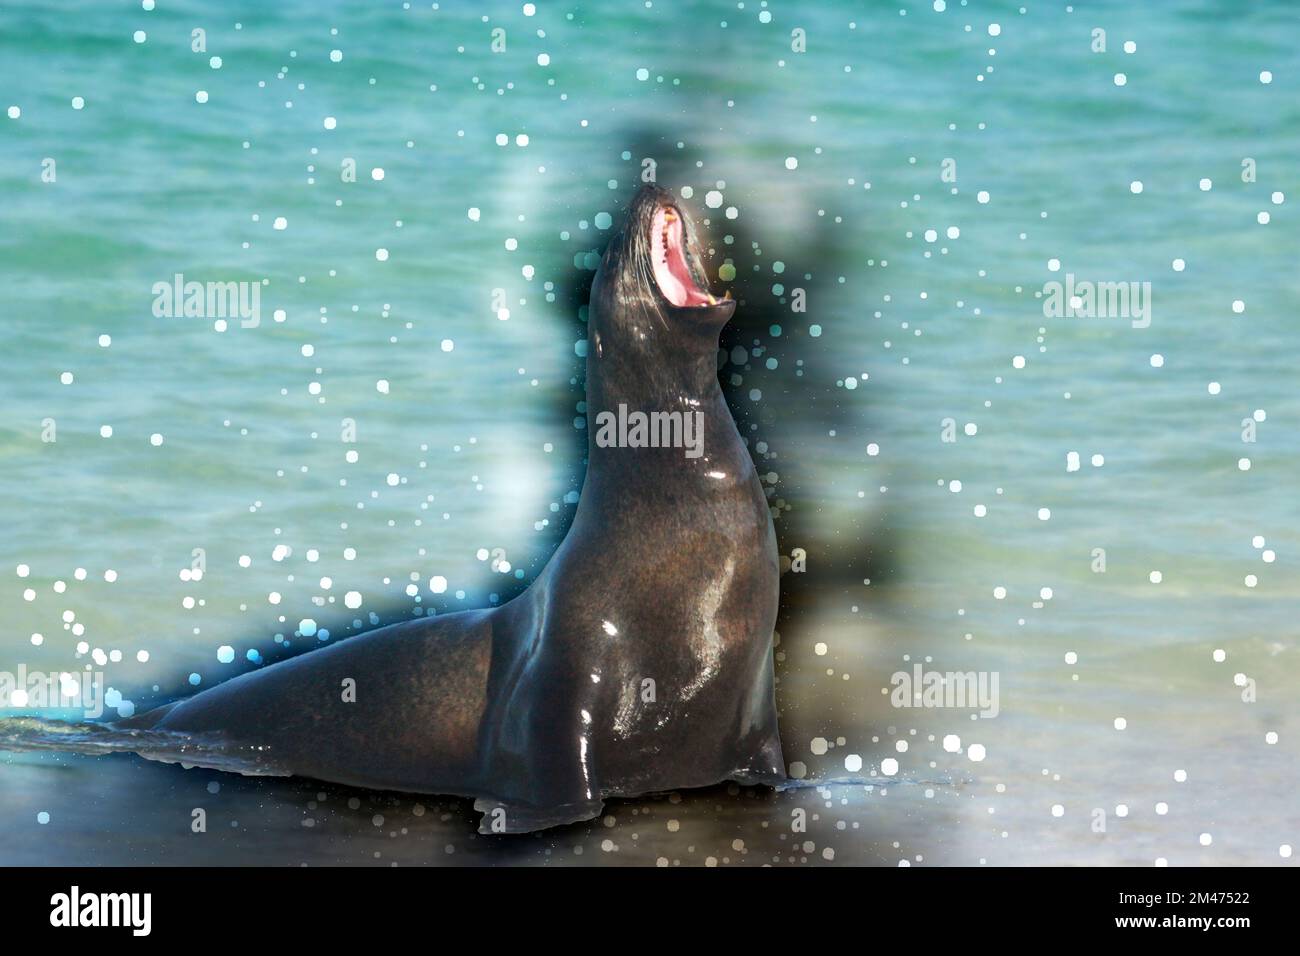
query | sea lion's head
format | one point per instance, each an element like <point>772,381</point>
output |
<point>650,301</point>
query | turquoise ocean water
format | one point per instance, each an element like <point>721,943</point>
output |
<point>399,429</point>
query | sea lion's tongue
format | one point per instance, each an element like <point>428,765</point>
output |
<point>670,268</point>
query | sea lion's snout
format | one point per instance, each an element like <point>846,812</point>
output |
<point>663,247</point>
<point>652,283</point>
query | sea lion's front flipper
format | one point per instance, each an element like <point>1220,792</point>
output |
<point>540,766</point>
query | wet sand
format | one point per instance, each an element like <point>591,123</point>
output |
<point>124,810</point>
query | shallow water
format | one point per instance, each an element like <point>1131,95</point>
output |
<point>468,423</point>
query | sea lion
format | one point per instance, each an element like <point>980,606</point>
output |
<point>639,660</point>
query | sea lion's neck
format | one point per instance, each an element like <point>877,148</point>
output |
<point>647,420</point>
<point>651,383</point>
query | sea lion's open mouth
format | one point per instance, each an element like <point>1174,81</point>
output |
<point>668,253</point>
